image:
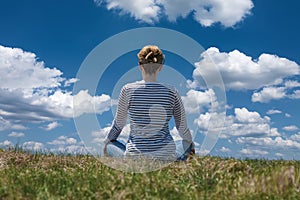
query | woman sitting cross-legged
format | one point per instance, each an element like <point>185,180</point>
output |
<point>150,105</point>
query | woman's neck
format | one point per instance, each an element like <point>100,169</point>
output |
<point>150,77</point>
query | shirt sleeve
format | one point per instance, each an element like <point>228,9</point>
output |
<point>121,116</point>
<point>181,123</point>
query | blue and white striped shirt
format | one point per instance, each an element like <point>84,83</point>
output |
<point>150,106</point>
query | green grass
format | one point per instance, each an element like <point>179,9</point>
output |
<point>40,176</point>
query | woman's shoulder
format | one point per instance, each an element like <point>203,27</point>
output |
<point>152,84</point>
<point>134,84</point>
<point>149,85</point>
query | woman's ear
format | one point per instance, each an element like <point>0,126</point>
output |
<point>141,68</point>
<point>160,68</point>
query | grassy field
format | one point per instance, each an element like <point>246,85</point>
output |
<point>40,176</point>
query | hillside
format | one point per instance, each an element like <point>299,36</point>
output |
<point>39,176</point>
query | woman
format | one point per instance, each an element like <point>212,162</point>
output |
<point>150,106</point>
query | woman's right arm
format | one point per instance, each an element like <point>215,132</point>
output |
<point>181,125</point>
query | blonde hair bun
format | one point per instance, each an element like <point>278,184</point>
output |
<point>150,54</point>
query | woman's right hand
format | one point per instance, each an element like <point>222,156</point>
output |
<point>105,149</point>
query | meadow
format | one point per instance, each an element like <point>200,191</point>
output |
<point>25,175</point>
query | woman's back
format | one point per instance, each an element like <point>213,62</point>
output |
<point>150,108</point>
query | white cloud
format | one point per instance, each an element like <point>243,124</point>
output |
<point>288,89</point>
<point>202,152</point>
<point>70,81</point>
<point>85,103</point>
<point>141,10</point>
<point>19,106</point>
<point>4,124</point>
<point>211,121</point>
<point>296,137</point>
<point>268,142</point>
<point>64,144</point>
<point>291,84</point>
<point>102,132</point>
<point>7,125</point>
<point>295,95</point>
<point>6,144</point>
<point>33,146</point>
<point>228,13</point>
<point>268,75</point>
<point>254,152</point>
<point>22,70</point>
<point>225,150</point>
<point>287,115</point>
<point>240,71</point>
<point>273,111</point>
<point>243,123</point>
<point>269,93</point>
<point>51,126</point>
<point>63,140</point>
<point>100,135</point>
<point>32,92</point>
<point>175,134</point>
<point>206,12</point>
<point>194,101</point>
<point>279,154</point>
<point>61,103</point>
<point>16,134</point>
<point>245,116</point>
<point>290,128</point>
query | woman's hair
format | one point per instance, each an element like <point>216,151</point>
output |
<point>151,58</point>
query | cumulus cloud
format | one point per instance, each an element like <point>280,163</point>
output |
<point>273,111</point>
<point>279,155</point>
<point>269,142</point>
<point>7,125</point>
<point>20,69</point>
<point>63,140</point>
<point>296,137</point>
<point>70,81</point>
<point>18,106</point>
<point>85,103</point>
<point>195,101</point>
<point>142,10</point>
<point>287,115</point>
<point>206,12</point>
<point>32,92</point>
<point>64,144</point>
<point>295,95</point>
<point>290,128</point>
<point>291,84</point>
<point>225,150</point>
<point>4,124</point>
<point>33,146</point>
<point>254,152</point>
<point>269,93</point>
<point>16,134</point>
<point>276,92</point>
<point>242,72</point>
<point>286,147</point>
<point>100,135</point>
<point>6,144</point>
<point>244,123</point>
<point>51,126</point>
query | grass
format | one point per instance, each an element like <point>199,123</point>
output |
<point>48,176</point>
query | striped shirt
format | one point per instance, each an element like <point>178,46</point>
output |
<point>150,106</point>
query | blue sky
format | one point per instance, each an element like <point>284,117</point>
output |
<point>253,44</point>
